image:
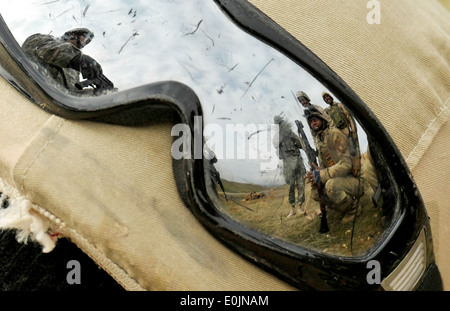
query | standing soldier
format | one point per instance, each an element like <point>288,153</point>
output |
<point>61,58</point>
<point>288,146</point>
<point>340,116</point>
<point>305,101</point>
<point>341,187</point>
<point>344,122</point>
<point>215,176</point>
<point>213,172</point>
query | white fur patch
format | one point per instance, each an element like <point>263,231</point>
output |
<point>18,213</point>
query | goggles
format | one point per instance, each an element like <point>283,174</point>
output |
<point>227,70</point>
<point>83,41</point>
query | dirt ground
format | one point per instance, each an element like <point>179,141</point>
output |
<point>267,214</point>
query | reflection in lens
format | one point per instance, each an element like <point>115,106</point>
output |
<point>319,175</point>
<point>259,165</point>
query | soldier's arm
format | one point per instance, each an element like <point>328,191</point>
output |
<point>296,140</point>
<point>58,53</point>
<point>338,145</point>
<point>350,119</point>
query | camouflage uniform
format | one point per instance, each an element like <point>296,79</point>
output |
<point>293,168</point>
<point>345,123</point>
<point>341,187</point>
<point>340,116</point>
<point>311,108</point>
<point>54,56</point>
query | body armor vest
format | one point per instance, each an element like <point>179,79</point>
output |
<point>338,116</point>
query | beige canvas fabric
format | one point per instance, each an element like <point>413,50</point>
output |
<point>111,188</point>
<point>401,69</point>
<point>126,214</point>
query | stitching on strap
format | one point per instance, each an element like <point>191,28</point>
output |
<point>115,271</point>
<point>427,137</point>
<point>44,146</point>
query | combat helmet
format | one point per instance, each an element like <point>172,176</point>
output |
<point>325,93</point>
<point>301,94</point>
<point>278,119</point>
<point>316,113</point>
<point>77,32</point>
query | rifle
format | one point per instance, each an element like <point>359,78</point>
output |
<point>312,155</point>
<point>99,84</point>
<point>216,177</point>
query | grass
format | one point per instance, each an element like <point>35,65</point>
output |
<point>269,213</point>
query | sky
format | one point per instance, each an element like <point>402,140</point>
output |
<point>238,79</point>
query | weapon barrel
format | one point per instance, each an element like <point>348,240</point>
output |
<point>82,84</point>
<point>323,209</point>
<point>311,154</point>
<point>106,81</point>
<point>100,84</point>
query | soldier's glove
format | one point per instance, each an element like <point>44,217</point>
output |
<point>313,177</point>
<point>316,176</point>
<point>88,66</point>
<point>90,69</point>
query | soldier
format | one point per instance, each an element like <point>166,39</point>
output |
<point>288,146</point>
<point>61,58</point>
<point>344,122</point>
<point>215,175</point>
<point>213,172</point>
<point>340,116</point>
<point>305,101</point>
<point>341,187</point>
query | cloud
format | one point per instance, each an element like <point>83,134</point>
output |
<point>237,78</point>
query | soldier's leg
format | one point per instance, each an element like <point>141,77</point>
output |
<point>342,193</point>
<point>292,192</point>
<point>292,197</point>
<point>300,181</point>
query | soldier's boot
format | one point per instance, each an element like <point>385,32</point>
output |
<point>302,208</point>
<point>293,212</point>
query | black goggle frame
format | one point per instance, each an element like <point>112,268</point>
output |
<point>305,269</point>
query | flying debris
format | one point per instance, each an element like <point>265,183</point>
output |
<point>254,79</point>
<point>232,68</point>
<point>132,37</point>
<point>131,12</point>
<point>198,25</point>
<point>85,10</point>
<point>220,90</point>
